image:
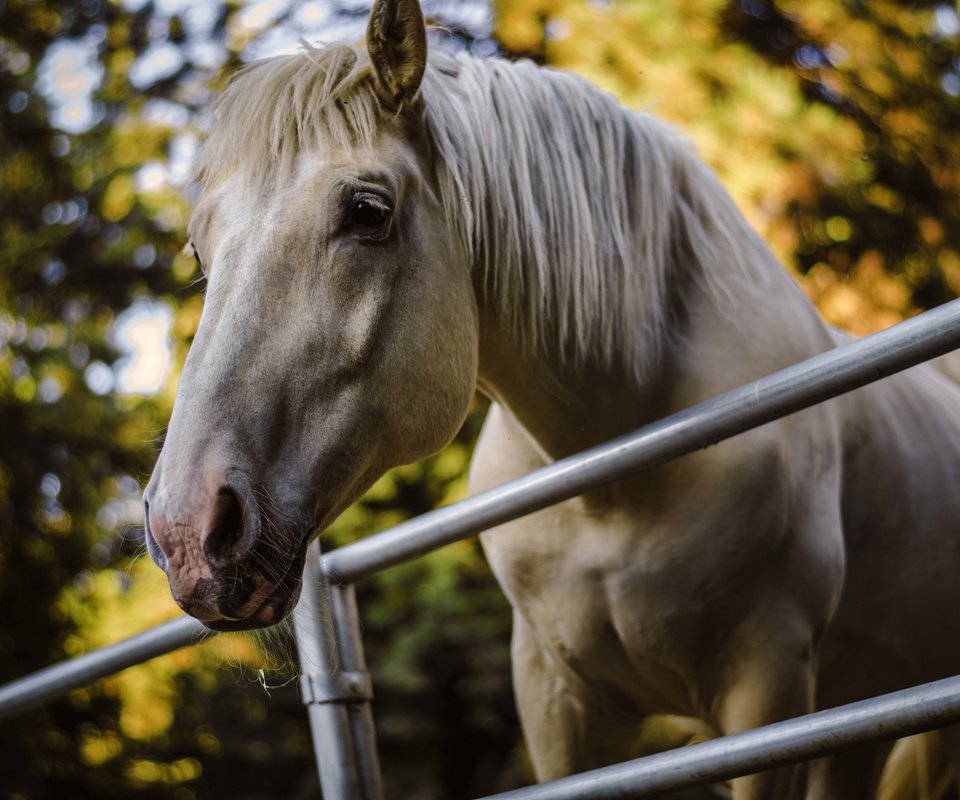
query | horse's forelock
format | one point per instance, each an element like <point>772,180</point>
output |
<point>273,109</point>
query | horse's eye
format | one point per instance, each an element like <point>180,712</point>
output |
<point>369,213</point>
<point>191,248</point>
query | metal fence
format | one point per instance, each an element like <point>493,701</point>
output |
<point>336,686</point>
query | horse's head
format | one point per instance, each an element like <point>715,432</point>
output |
<point>339,333</point>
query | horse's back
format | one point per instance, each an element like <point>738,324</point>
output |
<point>901,515</point>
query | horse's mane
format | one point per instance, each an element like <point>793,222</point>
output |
<point>575,209</point>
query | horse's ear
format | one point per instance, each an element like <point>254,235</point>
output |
<point>397,43</point>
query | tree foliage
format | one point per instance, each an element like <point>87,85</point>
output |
<point>833,122</point>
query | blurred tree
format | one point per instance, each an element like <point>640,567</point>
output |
<point>67,446</point>
<point>891,69</point>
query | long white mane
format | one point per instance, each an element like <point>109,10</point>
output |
<point>586,221</point>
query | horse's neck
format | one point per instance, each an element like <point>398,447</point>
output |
<point>567,406</point>
<point>701,306</point>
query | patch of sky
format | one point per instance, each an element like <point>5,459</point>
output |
<point>946,21</point>
<point>68,74</point>
<point>18,333</point>
<point>808,56</point>
<point>142,335</point>
<point>277,41</point>
<point>65,213</point>
<point>158,111</point>
<point>144,256</point>
<point>53,271</point>
<point>98,377</point>
<point>50,485</point>
<point>18,102</point>
<point>19,369</point>
<point>37,339</point>
<point>169,7</point>
<point>354,6</point>
<point>15,60</point>
<point>199,17</point>
<point>60,145</point>
<point>950,83</point>
<point>180,153</point>
<point>6,328</point>
<point>126,508</point>
<point>476,17</point>
<point>756,8</point>
<point>836,54</point>
<point>311,15</point>
<point>258,15</point>
<point>158,62</point>
<point>79,355</point>
<point>558,29</point>
<point>151,177</point>
<point>206,54</point>
<point>50,389</point>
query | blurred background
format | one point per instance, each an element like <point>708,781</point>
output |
<point>834,123</point>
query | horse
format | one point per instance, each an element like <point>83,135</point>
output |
<point>386,231</point>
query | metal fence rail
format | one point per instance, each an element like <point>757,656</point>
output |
<point>55,681</point>
<point>336,687</point>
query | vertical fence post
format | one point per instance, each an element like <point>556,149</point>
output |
<point>336,687</point>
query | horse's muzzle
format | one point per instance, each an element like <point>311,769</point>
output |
<point>211,558</point>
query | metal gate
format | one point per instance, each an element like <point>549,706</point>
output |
<point>336,686</point>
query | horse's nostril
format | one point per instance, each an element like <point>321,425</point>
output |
<point>225,540</point>
<point>153,547</point>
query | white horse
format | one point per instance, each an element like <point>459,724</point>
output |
<point>383,234</point>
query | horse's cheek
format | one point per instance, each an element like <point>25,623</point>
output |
<point>426,378</point>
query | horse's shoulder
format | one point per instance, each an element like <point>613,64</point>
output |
<point>504,451</point>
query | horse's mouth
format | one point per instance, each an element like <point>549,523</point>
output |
<point>273,608</point>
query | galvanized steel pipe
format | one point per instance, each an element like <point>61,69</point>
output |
<point>59,679</point>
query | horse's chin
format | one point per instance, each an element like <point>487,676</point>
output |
<point>274,609</point>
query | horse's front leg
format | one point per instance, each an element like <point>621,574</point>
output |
<point>565,731</point>
<point>765,669</point>
<point>768,676</point>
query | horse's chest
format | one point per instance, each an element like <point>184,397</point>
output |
<point>613,612</point>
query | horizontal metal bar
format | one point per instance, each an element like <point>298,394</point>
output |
<point>54,681</point>
<point>802,385</point>
<point>889,716</point>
